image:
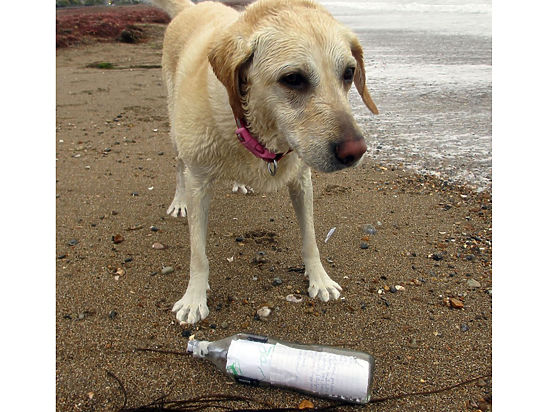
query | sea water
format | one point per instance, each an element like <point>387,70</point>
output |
<point>429,71</point>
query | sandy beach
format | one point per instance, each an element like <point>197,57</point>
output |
<point>115,177</point>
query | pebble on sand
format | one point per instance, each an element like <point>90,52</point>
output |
<point>472,283</point>
<point>305,404</point>
<point>277,282</point>
<point>456,303</point>
<point>166,270</point>
<point>117,239</point>
<point>369,229</point>
<point>293,298</point>
<point>158,246</point>
<point>263,312</point>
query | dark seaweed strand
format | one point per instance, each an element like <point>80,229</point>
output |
<point>112,375</point>
<point>429,392</point>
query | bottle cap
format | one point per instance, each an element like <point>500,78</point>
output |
<point>191,345</point>
<point>199,348</point>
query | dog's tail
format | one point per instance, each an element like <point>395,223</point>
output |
<point>172,7</point>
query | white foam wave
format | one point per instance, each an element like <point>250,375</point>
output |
<point>466,8</point>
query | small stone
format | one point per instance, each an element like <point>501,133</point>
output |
<point>73,242</point>
<point>62,256</point>
<point>81,315</point>
<point>213,326</point>
<point>305,404</point>
<point>112,314</point>
<point>393,289</point>
<point>364,245</point>
<point>239,239</point>
<point>186,333</point>
<point>277,282</point>
<point>263,312</point>
<point>117,239</point>
<point>120,272</point>
<point>437,256</point>
<point>293,298</point>
<point>134,194</point>
<point>224,325</point>
<point>128,260</point>
<point>369,229</point>
<point>472,283</point>
<point>464,328</point>
<point>399,287</point>
<point>456,303</point>
<point>154,228</point>
<point>158,246</point>
<point>166,270</point>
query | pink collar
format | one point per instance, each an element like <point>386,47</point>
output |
<point>258,149</point>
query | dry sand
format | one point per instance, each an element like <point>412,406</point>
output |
<point>116,176</point>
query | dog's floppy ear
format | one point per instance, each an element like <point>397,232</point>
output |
<point>359,78</point>
<point>227,56</point>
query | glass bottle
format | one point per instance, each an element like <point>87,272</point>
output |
<point>320,370</point>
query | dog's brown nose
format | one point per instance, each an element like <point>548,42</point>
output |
<point>350,151</point>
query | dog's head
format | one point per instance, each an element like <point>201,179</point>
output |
<point>288,67</point>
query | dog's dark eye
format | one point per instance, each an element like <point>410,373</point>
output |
<point>295,81</point>
<point>348,74</point>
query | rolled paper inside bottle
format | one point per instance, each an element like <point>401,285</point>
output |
<point>323,373</point>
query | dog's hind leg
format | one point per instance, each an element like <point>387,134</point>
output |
<point>178,205</point>
<point>301,194</point>
<point>192,307</point>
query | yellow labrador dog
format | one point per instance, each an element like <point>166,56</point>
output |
<point>279,73</point>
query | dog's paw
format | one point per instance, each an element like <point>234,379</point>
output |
<point>177,207</point>
<point>237,187</point>
<point>192,308</point>
<point>323,287</point>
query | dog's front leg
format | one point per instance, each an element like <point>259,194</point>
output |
<point>301,194</point>
<point>192,307</point>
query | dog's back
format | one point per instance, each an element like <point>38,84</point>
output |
<point>186,45</point>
